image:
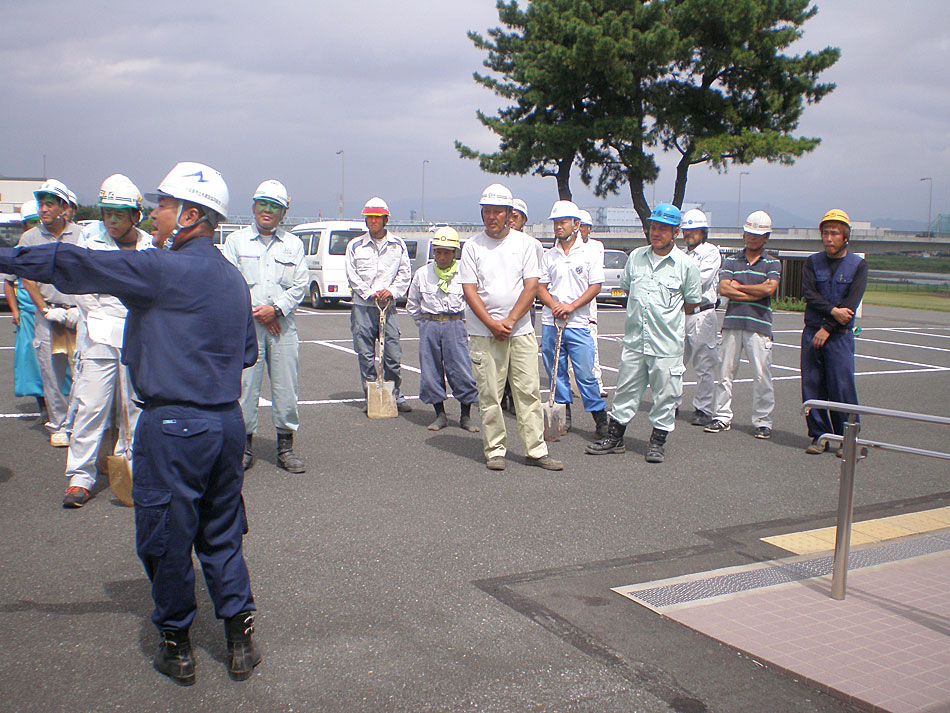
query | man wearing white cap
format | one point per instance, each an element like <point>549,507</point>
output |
<point>748,280</point>
<point>56,312</point>
<point>274,266</point>
<point>571,276</point>
<point>702,347</point>
<point>499,273</point>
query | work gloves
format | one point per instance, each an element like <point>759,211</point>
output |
<point>55,314</point>
<point>72,317</point>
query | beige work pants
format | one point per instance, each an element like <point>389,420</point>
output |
<point>514,360</point>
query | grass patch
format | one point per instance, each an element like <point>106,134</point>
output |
<point>932,300</point>
<point>788,304</point>
<point>907,263</point>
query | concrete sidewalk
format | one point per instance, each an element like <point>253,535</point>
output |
<point>886,647</point>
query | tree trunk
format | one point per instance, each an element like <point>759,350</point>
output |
<point>679,188</point>
<point>635,183</point>
<point>564,178</point>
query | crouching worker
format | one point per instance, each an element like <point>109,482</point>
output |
<point>437,306</point>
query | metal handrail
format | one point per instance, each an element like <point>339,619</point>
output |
<point>849,457</point>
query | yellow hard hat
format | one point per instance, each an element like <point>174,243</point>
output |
<point>446,237</point>
<point>835,214</point>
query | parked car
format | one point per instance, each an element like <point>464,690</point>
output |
<point>325,244</point>
<point>614,263</point>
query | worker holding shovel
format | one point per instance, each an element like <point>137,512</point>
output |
<point>571,276</point>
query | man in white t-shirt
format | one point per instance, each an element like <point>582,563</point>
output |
<point>499,273</point>
<point>571,276</point>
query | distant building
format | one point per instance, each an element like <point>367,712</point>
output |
<point>611,216</point>
<point>14,192</point>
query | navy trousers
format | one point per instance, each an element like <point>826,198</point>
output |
<point>443,355</point>
<point>187,493</point>
<point>828,374</point>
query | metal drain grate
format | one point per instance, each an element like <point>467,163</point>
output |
<point>780,572</point>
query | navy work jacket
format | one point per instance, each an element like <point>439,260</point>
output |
<point>189,333</point>
<point>832,285</point>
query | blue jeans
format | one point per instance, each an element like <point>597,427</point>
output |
<point>577,344</point>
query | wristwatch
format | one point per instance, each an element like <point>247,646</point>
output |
<point>277,311</point>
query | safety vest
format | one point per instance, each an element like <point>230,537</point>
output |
<point>833,286</point>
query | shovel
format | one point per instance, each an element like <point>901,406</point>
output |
<point>381,395</point>
<point>120,465</point>
<point>555,414</point>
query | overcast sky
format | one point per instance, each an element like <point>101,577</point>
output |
<point>275,90</point>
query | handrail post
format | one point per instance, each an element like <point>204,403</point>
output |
<point>849,453</point>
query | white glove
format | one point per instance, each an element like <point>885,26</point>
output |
<point>55,314</point>
<point>72,317</point>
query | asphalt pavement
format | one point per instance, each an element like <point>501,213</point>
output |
<point>398,574</point>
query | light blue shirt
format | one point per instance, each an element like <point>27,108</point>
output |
<point>273,266</point>
<point>656,323</point>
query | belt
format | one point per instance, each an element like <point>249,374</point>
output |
<point>157,403</point>
<point>703,308</point>
<point>448,317</point>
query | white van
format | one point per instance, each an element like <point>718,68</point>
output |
<point>324,244</point>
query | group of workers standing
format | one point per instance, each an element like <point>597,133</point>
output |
<point>168,338</point>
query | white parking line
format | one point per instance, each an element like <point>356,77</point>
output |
<point>902,344</point>
<point>329,343</point>
<point>873,358</point>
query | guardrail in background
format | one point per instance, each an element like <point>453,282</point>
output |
<point>849,456</point>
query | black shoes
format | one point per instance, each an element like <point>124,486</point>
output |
<point>611,443</point>
<point>174,657</point>
<point>242,656</point>
<point>655,450</point>
<point>285,454</point>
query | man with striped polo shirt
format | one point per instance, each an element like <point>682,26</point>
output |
<point>748,280</point>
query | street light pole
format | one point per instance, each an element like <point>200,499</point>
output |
<point>424,189</point>
<point>342,209</point>
<point>930,202</point>
<point>739,202</point>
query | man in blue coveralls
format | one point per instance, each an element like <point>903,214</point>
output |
<point>189,335</point>
<point>663,285</point>
<point>833,283</point>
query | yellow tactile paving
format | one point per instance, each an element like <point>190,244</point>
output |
<point>865,532</point>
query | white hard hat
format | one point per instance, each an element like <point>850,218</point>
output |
<point>73,201</point>
<point>273,190</point>
<point>118,191</point>
<point>496,194</point>
<point>375,206</point>
<point>195,183</point>
<point>694,218</point>
<point>52,187</point>
<point>758,223</point>
<point>520,206</point>
<point>446,237</point>
<point>565,209</point>
<point>29,211</point>
<point>585,218</point>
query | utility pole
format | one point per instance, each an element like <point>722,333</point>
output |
<point>930,202</point>
<point>424,189</point>
<point>342,209</point>
<point>739,202</point>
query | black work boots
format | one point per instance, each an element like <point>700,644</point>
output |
<point>242,656</point>
<point>248,460</point>
<point>285,454</point>
<point>610,443</point>
<point>654,452</point>
<point>174,657</point>
<point>600,423</point>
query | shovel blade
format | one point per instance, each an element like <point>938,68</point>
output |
<point>555,420</point>
<point>120,478</point>
<point>381,399</point>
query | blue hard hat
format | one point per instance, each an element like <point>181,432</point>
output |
<point>666,213</point>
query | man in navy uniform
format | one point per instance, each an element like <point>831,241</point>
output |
<point>833,284</point>
<point>189,335</point>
